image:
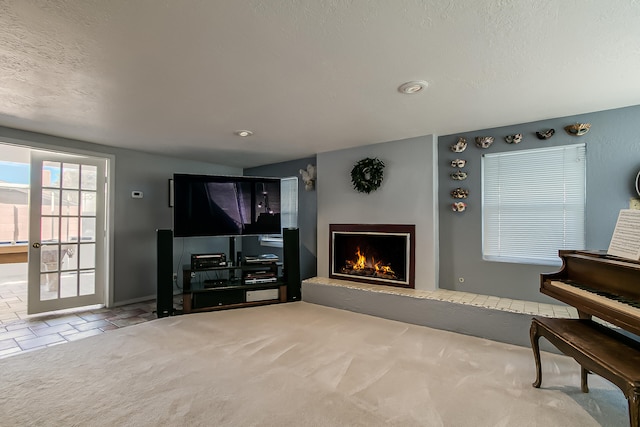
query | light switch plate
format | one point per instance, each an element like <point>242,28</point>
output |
<point>634,203</point>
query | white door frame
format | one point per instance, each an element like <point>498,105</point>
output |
<point>110,211</point>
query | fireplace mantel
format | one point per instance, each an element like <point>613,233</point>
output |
<point>382,254</point>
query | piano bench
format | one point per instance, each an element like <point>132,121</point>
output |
<point>597,349</point>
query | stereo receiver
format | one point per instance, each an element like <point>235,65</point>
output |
<point>205,261</point>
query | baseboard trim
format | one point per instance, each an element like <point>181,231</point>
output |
<point>133,301</point>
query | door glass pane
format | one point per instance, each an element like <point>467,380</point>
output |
<point>70,202</point>
<point>49,229</point>
<point>50,202</point>
<point>69,229</point>
<point>89,177</point>
<point>88,230</point>
<point>48,286</point>
<point>69,284</point>
<point>88,255</point>
<point>49,258</point>
<point>51,174</point>
<point>70,175</point>
<point>88,203</point>
<point>87,282</point>
<point>69,257</point>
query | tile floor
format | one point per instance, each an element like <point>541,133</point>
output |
<point>20,332</point>
<point>35,332</point>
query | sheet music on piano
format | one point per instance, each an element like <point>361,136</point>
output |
<point>625,242</point>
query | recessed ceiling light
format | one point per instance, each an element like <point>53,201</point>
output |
<point>413,87</point>
<point>243,133</point>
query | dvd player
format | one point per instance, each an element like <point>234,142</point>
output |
<point>260,280</point>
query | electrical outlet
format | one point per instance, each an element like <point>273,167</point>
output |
<point>175,277</point>
<point>634,203</point>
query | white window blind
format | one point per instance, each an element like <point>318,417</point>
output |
<point>533,204</point>
<point>288,210</point>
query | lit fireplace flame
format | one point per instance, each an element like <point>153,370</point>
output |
<point>361,262</point>
<point>362,266</point>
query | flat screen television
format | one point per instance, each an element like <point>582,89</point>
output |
<point>215,205</point>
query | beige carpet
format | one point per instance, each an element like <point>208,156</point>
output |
<point>296,364</point>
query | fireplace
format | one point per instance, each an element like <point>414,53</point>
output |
<point>380,254</point>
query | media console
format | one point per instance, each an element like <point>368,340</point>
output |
<point>218,288</point>
<point>214,284</point>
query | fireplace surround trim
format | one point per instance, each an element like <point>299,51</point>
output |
<point>399,229</point>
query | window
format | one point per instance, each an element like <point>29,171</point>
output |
<point>288,211</point>
<point>533,204</point>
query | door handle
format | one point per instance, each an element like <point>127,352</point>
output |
<point>36,245</point>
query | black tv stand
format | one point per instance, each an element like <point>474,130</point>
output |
<point>232,285</point>
<point>215,283</point>
<point>230,289</point>
<point>232,250</point>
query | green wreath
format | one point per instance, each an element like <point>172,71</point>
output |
<point>367,175</point>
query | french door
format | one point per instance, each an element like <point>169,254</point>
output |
<point>67,232</point>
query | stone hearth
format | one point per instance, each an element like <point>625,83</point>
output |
<point>499,319</point>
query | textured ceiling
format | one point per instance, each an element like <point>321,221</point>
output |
<point>178,77</point>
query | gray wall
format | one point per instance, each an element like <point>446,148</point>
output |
<point>307,215</point>
<point>613,160</point>
<point>136,220</point>
<point>408,195</point>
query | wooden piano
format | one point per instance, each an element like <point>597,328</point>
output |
<point>606,287</point>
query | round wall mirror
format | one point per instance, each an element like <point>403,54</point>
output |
<point>638,183</point>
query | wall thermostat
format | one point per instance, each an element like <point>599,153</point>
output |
<point>136,194</point>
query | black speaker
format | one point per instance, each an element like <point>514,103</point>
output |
<point>291,254</point>
<point>164,299</point>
